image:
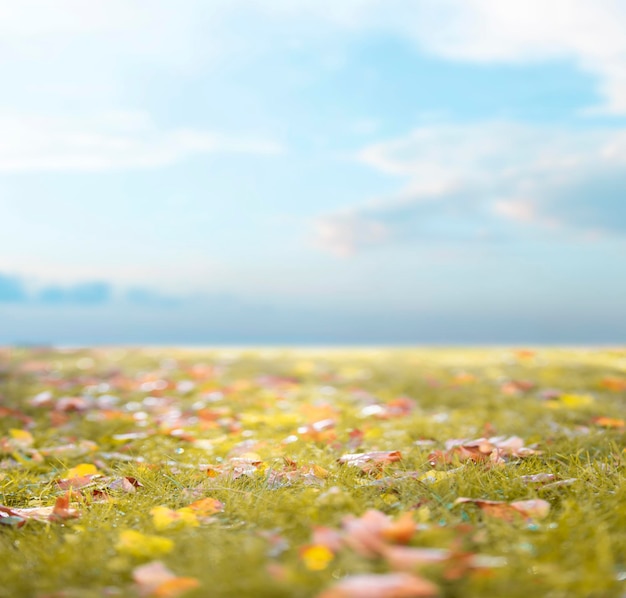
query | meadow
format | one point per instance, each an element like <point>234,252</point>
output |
<point>361,473</point>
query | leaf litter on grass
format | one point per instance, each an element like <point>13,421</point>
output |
<point>312,473</point>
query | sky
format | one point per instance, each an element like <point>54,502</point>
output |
<point>312,172</point>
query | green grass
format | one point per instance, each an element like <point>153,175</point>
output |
<point>189,415</point>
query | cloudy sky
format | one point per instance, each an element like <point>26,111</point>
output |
<point>319,171</point>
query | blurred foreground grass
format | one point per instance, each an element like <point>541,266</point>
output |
<point>118,432</point>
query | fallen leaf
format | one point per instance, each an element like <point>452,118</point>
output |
<point>10,517</point>
<point>496,449</point>
<point>389,585</point>
<point>401,530</point>
<point>369,534</point>
<point>126,484</point>
<point>141,545</point>
<point>84,469</point>
<point>316,557</point>
<point>165,518</point>
<point>22,439</point>
<point>537,478</point>
<point>327,536</point>
<point>371,461</point>
<point>62,510</point>
<point>407,558</point>
<point>76,482</point>
<point>205,507</point>
<point>608,422</point>
<point>614,384</point>
<point>570,401</point>
<point>155,580</point>
<point>529,509</point>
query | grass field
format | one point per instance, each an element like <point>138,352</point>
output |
<point>340,473</point>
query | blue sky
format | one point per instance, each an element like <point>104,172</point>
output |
<point>364,171</point>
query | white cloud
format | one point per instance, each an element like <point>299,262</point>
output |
<point>590,33</point>
<point>343,234</point>
<point>103,37</point>
<point>114,141</point>
<point>467,181</point>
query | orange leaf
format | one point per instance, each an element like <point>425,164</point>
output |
<point>608,422</point>
<point>155,580</point>
<point>176,587</point>
<point>206,507</point>
<point>401,530</point>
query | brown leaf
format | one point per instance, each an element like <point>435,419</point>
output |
<point>62,510</point>
<point>368,462</point>
<point>389,585</point>
<point>125,484</point>
<point>76,483</point>
<point>529,509</point>
<point>496,449</point>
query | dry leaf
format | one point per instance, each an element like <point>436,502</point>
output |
<point>496,449</point>
<point>316,557</point>
<point>407,558</point>
<point>529,509</point>
<point>608,422</point>
<point>164,518</point>
<point>205,507</point>
<point>371,461</point>
<point>84,469</point>
<point>62,510</point>
<point>389,585</point>
<point>155,580</point>
<point>141,545</point>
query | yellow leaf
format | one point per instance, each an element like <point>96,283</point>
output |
<point>22,438</point>
<point>81,470</point>
<point>319,472</point>
<point>164,518</point>
<point>316,557</point>
<point>141,545</point>
<point>571,401</point>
